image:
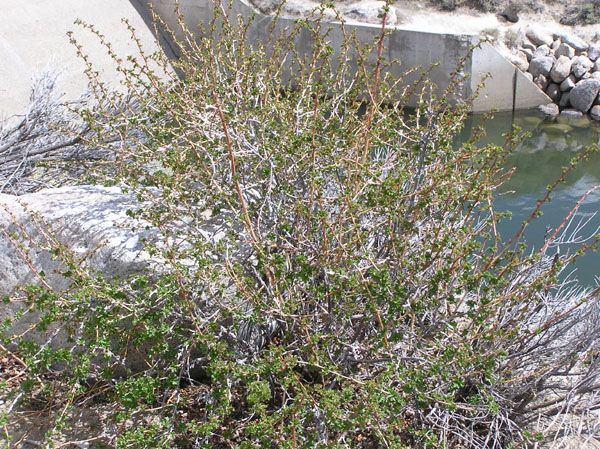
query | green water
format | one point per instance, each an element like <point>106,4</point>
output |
<point>537,163</point>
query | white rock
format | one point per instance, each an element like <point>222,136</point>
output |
<point>571,113</point>
<point>542,50</point>
<point>594,52</point>
<point>370,11</point>
<point>549,109</point>
<point>561,69</point>
<point>596,67</point>
<point>538,36</point>
<point>520,61</point>
<point>574,41</point>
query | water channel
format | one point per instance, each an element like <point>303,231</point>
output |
<point>537,162</point>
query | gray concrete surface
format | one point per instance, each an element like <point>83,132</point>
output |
<point>33,38</point>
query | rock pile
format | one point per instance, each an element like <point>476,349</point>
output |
<point>566,68</point>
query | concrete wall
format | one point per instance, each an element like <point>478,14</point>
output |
<point>33,36</point>
<point>505,89</point>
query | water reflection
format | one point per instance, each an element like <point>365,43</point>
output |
<point>538,161</point>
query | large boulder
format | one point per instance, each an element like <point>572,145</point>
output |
<point>92,222</point>
<point>539,37</point>
<point>584,93</point>
<point>553,91</point>
<point>370,11</point>
<point>574,41</point>
<point>541,66</point>
<point>549,110</point>
<point>581,65</point>
<point>561,69</point>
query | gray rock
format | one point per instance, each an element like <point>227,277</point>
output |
<point>577,442</point>
<point>541,81</point>
<point>584,93</point>
<point>539,37</point>
<point>571,113</point>
<point>565,50</point>
<point>520,61</point>
<point>527,52</point>
<point>561,69</point>
<point>574,41</point>
<point>528,45</point>
<point>555,44</point>
<point>596,67</point>
<point>568,83</point>
<point>370,11</point>
<point>541,66</point>
<point>542,50</point>
<point>581,65</point>
<point>594,52</point>
<point>550,109</point>
<point>557,128</point>
<point>511,12</point>
<point>91,221</point>
<point>595,75</point>
<point>553,92</point>
<point>595,113</point>
<point>529,76</point>
<point>564,100</point>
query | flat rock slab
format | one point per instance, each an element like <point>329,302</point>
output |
<point>92,221</point>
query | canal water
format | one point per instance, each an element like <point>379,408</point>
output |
<point>537,163</point>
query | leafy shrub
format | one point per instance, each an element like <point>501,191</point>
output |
<point>331,270</point>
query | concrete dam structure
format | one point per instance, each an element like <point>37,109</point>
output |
<point>33,38</point>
